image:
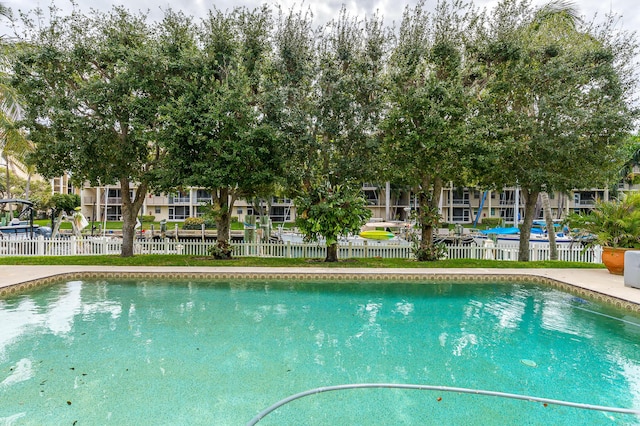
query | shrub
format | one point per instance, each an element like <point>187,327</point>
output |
<point>195,223</point>
<point>221,250</point>
<point>147,218</point>
<point>65,202</point>
<point>429,254</point>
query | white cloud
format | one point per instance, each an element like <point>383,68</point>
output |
<point>323,11</point>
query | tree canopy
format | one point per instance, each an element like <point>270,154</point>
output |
<point>244,100</point>
<point>554,107</point>
<point>91,102</point>
<point>327,99</point>
<point>214,134</point>
<point>425,130</point>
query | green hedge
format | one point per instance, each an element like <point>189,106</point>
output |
<point>195,223</point>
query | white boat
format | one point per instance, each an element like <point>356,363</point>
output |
<point>22,227</point>
<point>511,235</point>
<point>365,237</point>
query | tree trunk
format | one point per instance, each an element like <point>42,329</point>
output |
<point>222,204</point>
<point>223,214</point>
<point>551,230</point>
<point>27,189</point>
<point>332,253</point>
<point>8,180</point>
<point>426,236</point>
<point>428,201</point>
<point>525,229</point>
<point>130,209</point>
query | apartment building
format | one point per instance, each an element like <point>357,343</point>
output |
<point>458,205</point>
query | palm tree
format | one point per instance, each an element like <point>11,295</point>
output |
<point>627,173</point>
<point>568,11</point>
<point>14,146</point>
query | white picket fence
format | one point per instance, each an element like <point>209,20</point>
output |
<point>99,245</point>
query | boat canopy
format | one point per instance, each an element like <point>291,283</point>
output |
<point>16,201</point>
<point>499,230</point>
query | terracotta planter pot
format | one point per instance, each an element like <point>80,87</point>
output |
<point>613,259</point>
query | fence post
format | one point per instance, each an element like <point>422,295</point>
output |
<point>40,249</point>
<point>166,246</point>
<point>597,254</point>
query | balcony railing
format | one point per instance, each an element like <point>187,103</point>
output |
<point>179,200</point>
<point>114,200</point>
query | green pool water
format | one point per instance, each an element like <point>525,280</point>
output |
<point>217,353</point>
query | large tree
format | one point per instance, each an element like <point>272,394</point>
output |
<point>555,108</point>
<point>425,130</point>
<point>327,98</point>
<point>91,100</point>
<point>214,129</point>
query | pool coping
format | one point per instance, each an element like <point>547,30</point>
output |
<point>596,284</point>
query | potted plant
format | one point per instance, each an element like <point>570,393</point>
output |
<point>614,225</point>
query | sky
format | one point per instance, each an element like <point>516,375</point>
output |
<point>323,11</point>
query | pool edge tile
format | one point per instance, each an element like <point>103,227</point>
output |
<point>481,276</point>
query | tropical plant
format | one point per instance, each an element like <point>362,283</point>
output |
<point>331,212</point>
<point>628,172</point>
<point>613,223</point>
<point>222,250</point>
<point>14,144</point>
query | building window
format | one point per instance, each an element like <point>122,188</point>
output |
<point>371,197</point>
<point>203,196</point>
<point>157,210</point>
<point>239,211</point>
<point>460,196</point>
<point>280,200</point>
<point>178,212</point>
<point>114,213</point>
<point>114,195</point>
<point>179,198</point>
<point>461,215</point>
<point>280,214</point>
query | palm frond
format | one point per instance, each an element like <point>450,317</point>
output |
<point>566,8</point>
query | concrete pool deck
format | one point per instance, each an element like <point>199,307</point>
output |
<point>597,281</point>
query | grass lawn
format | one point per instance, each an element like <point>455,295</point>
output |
<point>115,225</point>
<point>183,260</point>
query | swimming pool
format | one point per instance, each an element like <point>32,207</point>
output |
<point>218,352</point>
